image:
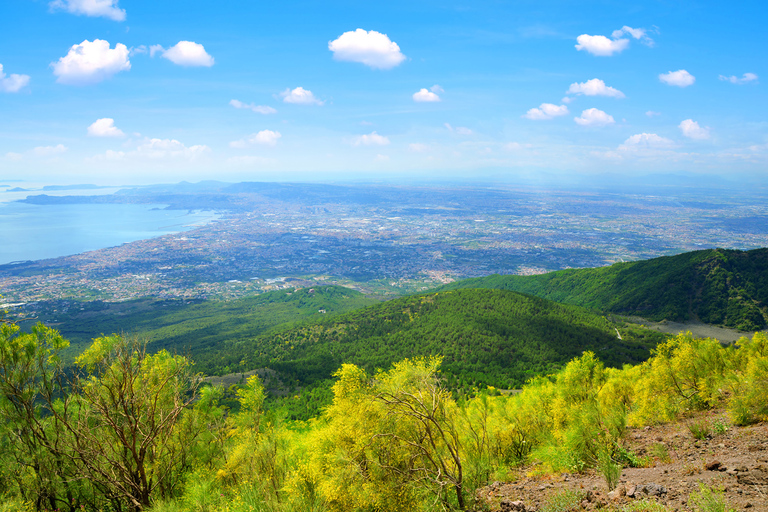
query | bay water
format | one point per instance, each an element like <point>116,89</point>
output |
<point>34,232</point>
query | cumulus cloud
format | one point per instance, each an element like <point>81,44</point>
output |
<point>155,48</point>
<point>546,111</point>
<point>371,48</point>
<point>264,138</point>
<point>300,96</point>
<point>646,141</point>
<point>105,127</point>
<point>594,87</point>
<point>94,8</point>
<point>91,62</point>
<point>50,150</point>
<point>594,117</point>
<point>679,78</point>
<point>636,33</point>
<point>601,45</point>
<point>259,109</point>
<point>426,95</point>
<point>371,139</point>
<point>13,82</point>
<point>692,130</point>
<point>746,78</point>
<point>185,53</point>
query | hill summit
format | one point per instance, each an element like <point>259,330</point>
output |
<point>714,286</point>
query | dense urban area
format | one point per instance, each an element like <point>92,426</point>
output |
<point>385,241</point>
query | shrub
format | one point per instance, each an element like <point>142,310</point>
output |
<point>565,501</point>
<point>609,469</point>
<point>659,451</point>
<point>709,499</point>
<point>645,506</point>
<point>699,429</point>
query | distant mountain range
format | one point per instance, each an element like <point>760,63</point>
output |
<point>715,286</point>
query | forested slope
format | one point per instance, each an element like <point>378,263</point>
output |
<point>195,327</point>
<point>715,286</point>
<point>486,337</point>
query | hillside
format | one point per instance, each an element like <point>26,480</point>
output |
<point>486,337</point>
<point>715,286</point>
<point>195,327</point>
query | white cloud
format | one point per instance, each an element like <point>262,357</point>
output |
<point>137,50</point>
<point>746,78</point>
<point>50,150</point>
<point>651,113</point>
<point>546,111</point>
<point>300,96</point>
<point>594,87</point>
<point>679,78</point>
<point>692,130</point>
<point>459,130</point>
<point>601,45</point>
<point>636,33</point>
<point>436,89</point>
<point>13,82</point>
<point>371,139</point>
<point>417,147</point>
<point>157,149</point>
<point>646,141</point>
<point>259,109</point>
<point>14,157</point>
<point>594,117</point>
<point>264,138</point>
<point>516,146</point>
<point>373,49</point>
<point>187,53</point>
<point>249,160</point>
<point>95,8</point>
<point>425,95</point>
<point>91,62</point>
<point>155,48</point>
<point>105,127</point>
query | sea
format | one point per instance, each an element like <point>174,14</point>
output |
<point>35,232</point>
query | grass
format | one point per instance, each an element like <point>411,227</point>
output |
<point>645,506</point>
<point>565,501</point>
<point>710,499</point>
<point>660,452</point>
<point>700,429</point>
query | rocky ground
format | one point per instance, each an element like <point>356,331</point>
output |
<point>731,459</point>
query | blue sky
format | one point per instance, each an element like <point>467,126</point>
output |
<point>134,91</point>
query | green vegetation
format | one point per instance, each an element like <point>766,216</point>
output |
<point>147,438</point>
<point>710,499</point>
<point>195,327</point>
<point>485,337</point>
<point>717,286</point>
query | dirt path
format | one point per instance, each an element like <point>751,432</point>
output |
<point>698,329</point>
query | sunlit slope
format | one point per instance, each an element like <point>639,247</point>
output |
<point>716,286</point>
<point>196,328</point>
<point>486,337</point>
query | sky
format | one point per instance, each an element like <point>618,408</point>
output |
<point>136,91</point>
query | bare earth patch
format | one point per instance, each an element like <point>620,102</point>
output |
<point>735,461</point>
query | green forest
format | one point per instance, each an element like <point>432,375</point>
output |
<point>714,286</point>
